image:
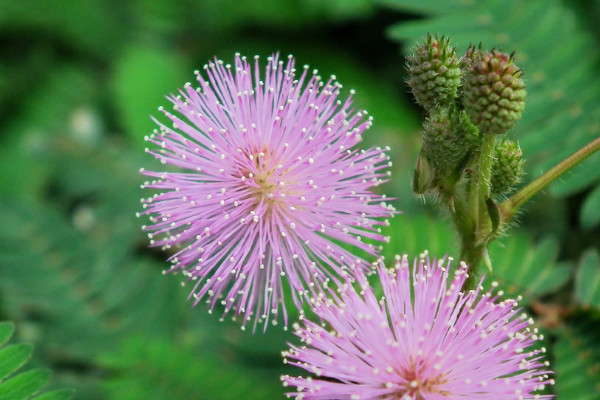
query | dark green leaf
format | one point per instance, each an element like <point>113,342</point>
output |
<point>159,369</point>
<point>590,211</point>
<point>27,138</point>
<point>89,26</point>
<point>415,234</point>
<point>577,361</point>
<point>587,280</point>
<point>526,268</point>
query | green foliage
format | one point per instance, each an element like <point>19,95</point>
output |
<point>26,137</point>
<point>81,245</point>
<point>577,360</point>
<point>162,369</point>
<point>587,281</point>
<point>279,13</point>
<point>90,26</point>
<point>415,234</point>
<point>135,98</point>
<point>527,268</point>
<point>590,211</point>
<point>15,385</point>
<point>559,56</point>
<point>78,82</point>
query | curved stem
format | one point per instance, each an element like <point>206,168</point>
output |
<point>509,208</point>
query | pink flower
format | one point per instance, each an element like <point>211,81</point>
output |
<point>269,185</point>
<point>425,339</point>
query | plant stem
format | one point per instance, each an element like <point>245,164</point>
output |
<point>511,206</point>
<point>477,232</point>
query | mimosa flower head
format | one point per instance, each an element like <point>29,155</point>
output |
<point>269,186</point>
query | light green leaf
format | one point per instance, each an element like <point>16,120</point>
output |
<point>24,385</point>
<point>13,357</point>
<point>61,394</point>
<point>6,331</point>
<point>144,76</point>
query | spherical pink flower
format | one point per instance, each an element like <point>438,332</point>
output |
<point>425,339</point>
<point>269,184</point>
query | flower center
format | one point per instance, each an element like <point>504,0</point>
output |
<point>266,185</point>
<point>259,174</point>
<point>418,385</point>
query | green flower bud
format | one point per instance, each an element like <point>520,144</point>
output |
<point>493,91</point>
<point>423,177</point>
<point>507,169</point>
<point>434,73</point>
<point>448,137</point>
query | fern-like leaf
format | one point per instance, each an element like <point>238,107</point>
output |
<point>577,361</point>
<point>71,266</point>
<point>528,269</point>
<point>16,385</point>
<point>142,369</point>
<point>415,234</point>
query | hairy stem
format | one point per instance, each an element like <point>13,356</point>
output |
<point>476,233</point>
<point>511,206</point>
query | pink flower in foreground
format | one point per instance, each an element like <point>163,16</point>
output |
<point>269,185</point>
<point>424,340</point>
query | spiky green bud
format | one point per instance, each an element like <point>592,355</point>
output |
<point>434,72</point>
<point>507,168</point>
<point>448,137</point>
<point>493,90</point>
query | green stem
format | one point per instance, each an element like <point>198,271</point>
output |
<point>480,187</point>
<point>511,206</point>
<point>476,232</point>
<point>485,167</point>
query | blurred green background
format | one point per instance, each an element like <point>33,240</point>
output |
<point>78,83</point>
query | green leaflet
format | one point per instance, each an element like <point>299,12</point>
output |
<point>527,268</point>
<point>16,385</point>
<point>587,281</point>
<point>163,369</point>
<point>577,357</point>
<point>590,210</point>
<point>414,234</point>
